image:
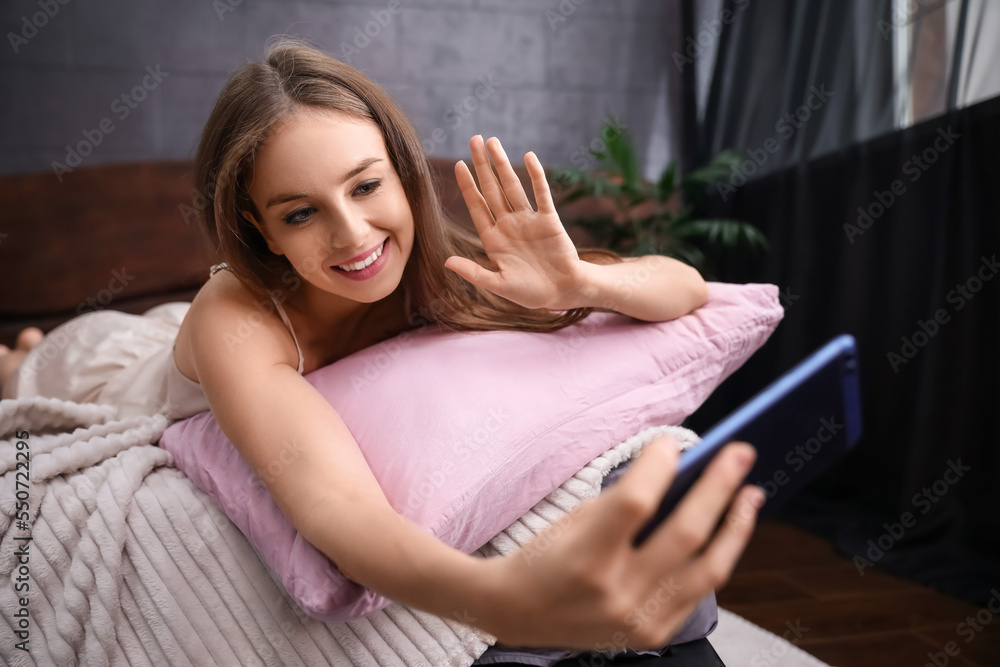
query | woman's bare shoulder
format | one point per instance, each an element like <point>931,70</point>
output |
<point>226,313</point>
<point>223,290</point>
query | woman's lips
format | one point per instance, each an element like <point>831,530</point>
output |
<point>364,255</point>
<point>370,270</point>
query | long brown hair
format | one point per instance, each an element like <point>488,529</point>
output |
<point>294,76</point>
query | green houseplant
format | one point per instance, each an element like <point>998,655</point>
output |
<point>653,218</point>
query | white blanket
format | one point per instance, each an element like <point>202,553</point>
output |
<point>129,563</point>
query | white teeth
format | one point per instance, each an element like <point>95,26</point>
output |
<point>357,266</point>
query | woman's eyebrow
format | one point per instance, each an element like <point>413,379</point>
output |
<point>290,196</point>
<point>364,164</point>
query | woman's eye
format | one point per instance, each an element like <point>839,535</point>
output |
<point>368,187</point>
<point>299,216</point>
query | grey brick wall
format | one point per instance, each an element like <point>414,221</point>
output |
<point>546,71</point>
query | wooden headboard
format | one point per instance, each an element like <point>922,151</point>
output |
<point>120,236</point>
<point>114,234</point>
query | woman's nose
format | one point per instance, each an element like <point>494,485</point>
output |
<point>349,231</point>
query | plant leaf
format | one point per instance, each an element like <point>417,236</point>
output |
<point>620,156</point>
<point>727,233</point>
<point>665,186</point>
<point>719,169</point>
<point>685,252</point>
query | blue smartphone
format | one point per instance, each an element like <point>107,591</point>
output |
<point>799,425</point>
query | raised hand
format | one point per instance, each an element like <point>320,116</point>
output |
<point>538,263</point>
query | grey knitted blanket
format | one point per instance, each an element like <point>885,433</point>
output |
<point>110,556</point>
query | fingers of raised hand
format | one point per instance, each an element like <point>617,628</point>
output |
<point>480,210</point>
<point>504,194</point>
<point>543,197</point>
<point>488,182</point>
<point>508,178</point>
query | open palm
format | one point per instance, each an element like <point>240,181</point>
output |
<point>538,263</point>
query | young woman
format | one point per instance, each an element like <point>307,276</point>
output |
<point>321,202</point>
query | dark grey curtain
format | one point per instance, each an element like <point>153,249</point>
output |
<point>918,278</point>
<point>811,76</point>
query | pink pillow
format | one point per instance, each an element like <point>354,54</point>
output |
<point>467,432</point>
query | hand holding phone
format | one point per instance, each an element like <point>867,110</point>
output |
<point>579,583</point>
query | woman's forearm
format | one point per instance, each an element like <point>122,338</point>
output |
<point>653,288</point>
<point>403,561</point>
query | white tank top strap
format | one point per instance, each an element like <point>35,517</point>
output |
<point>284,318</point>
<point>281,312</point>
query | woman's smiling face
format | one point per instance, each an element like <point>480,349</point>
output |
<point>327,194</point>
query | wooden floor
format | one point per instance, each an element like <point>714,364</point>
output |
<point>788,576</point>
